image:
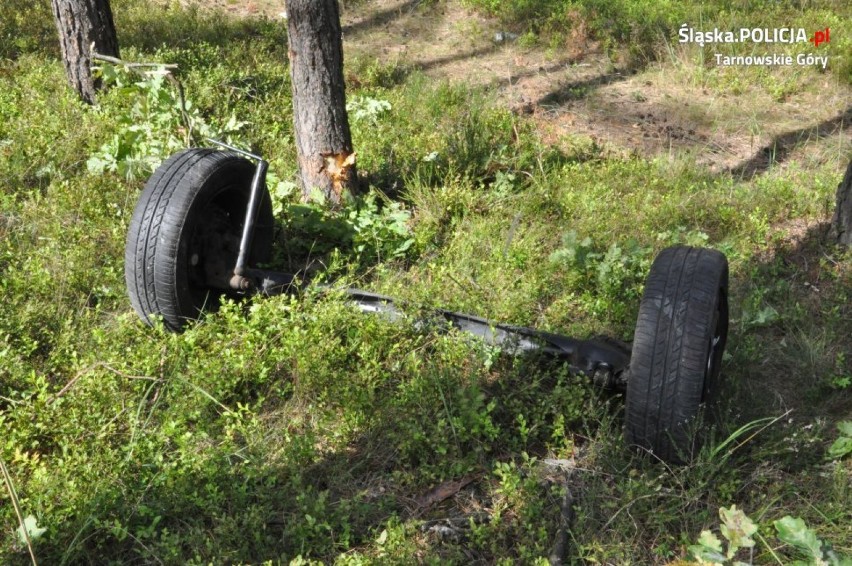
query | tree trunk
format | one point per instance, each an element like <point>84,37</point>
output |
<point>82,23</point>
<point>323,140</point>
<point>841,224</point>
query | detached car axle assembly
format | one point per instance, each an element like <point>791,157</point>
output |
<point>205,218</point>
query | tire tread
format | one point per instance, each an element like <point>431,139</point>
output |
<point>158,223</point>
<point>671,347</point>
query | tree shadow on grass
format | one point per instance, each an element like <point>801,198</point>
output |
<point>789,346</point>
<point>580,89</point>
<point>461,56</point>
<point>285,495</point>
<point>552,68</point>
<point>177,28</point>
<point>381,17</point>
<point>782,145</point>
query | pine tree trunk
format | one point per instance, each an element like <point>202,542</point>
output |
<point>323,138</point>
<point>82,23</point>
<point>841,224</point>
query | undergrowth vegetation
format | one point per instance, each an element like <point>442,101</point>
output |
<point>296,428</point>
<point>639,30</point>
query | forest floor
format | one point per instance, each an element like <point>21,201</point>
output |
<point>666,107</point>
<point>523,173</point>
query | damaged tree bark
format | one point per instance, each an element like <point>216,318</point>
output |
<point>82,24</point>
<point>323,139</point>
<point>841,224</point>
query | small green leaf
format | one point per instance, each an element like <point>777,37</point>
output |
<point>708,550</point>
<point>32,529</point>
<point>710,541</point>
<point>796,533</point>
<point>765,316</point>
<point>737,528</point>
<point>845,428</point>
<point>840,448</point>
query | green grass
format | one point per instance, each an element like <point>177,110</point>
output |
<point>295,426</point>
<point>641,31</point>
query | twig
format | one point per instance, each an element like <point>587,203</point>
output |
<point>630,504</point>
<point>117,61</point>
<point>91,368</point>
<point>8,481</point>
<point>747,440</point>
<point>70,384</point>
<point>464,287</point>
<point>512,229</point>
<point>183,113</point>
<point>769,548</point>
<point>560,549</point>
<point>567,514</point>
<point>444,491</point>
<point>205,393</point>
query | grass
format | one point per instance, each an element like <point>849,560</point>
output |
<point>297,427</point>
<point>640,31</point>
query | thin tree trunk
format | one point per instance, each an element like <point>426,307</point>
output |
<point>82,23</point>
<point>323,138</point>
<point>841,224</point>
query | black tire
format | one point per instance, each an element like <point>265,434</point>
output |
<point>185,232</point>
<point>677,351</point>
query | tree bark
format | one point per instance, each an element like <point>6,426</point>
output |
<point>323,139</point>
<point>841,224</point>
<point>82,23</point>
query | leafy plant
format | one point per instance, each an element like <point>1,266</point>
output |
<point>737,529</point>
<point>383,232</point>
<point>608,278</point>
<point>372,227</point>
<point>154,120</point>
<point>842,447</point>
<point>366,109</point>
<point>796,533</point>
<point>296,425</point>
<point>842,379</point>
<point>29,530</point>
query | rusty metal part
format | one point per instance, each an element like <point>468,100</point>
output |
<point>241,283</point>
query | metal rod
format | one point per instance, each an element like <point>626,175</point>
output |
<point>251,216</point>
<point>258,181</point>
<point>603,361</point>
<point>242,152</point>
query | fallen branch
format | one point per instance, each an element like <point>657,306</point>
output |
<point>117,61</point>
<point>560,548</point>
<point>565,470</point>
<point>444,491</point>
<point>10,488</point>
<point>90,369</point>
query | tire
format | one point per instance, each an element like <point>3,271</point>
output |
<point>185,231</point>
<point>677,351</point>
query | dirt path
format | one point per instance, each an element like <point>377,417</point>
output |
<point>672,108</point>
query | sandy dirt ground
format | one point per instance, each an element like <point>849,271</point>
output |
<point>664,109</point>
